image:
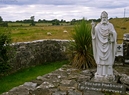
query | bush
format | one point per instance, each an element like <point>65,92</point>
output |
<point>4,48</point>
<point>82,46</point>
<point>4,24</point>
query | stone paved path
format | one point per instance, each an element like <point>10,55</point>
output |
<point>63,81</point>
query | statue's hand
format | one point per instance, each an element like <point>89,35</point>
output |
<point>110,32</point>
<point>93,24</point>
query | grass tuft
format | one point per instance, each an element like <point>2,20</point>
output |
<point>83,58</point>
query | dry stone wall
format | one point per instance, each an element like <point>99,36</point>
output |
<point>26,54</point>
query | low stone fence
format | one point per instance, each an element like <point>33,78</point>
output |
<point>26,54</point>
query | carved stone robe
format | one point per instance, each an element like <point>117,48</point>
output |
<point>104,48</point>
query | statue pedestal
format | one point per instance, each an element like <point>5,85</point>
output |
<point>104,73</point>
<point>106,78</point>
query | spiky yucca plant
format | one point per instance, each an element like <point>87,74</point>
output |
<point>83,58</point>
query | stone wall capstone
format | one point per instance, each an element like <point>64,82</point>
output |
<point>37,52</point>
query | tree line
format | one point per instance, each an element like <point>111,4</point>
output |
<point>3,23</point>
<point>32,21</point>
<point>56,21</point>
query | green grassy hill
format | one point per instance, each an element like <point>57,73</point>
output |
<point>21,32</point>
<point>121,26</point>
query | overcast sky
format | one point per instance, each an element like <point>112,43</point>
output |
<point>62,9</point>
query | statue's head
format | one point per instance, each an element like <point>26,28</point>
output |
<point>104,17</point>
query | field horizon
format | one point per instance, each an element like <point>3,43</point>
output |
<point>23,32</point>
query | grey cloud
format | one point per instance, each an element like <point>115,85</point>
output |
<point>46,2</point>
<point>114,4</point>
<point>62,9</point>
<point>108,4</point>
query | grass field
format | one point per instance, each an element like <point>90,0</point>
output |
<point>121,26</point>
<point>26,75</point>
<point>29,33</point>
<point>21,32</point>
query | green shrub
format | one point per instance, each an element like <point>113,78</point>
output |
<point>83,57</point>
<point>4,24</point>
<point>4,48</point>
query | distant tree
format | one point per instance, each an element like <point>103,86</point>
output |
<point>44,20</point>
<point>32,18</point>
<point>55,22</point>
<point>73,21</point>
<point>20,21</point>
<point>1,20</point>
<point>3,23</point>
<point>110,18</point>
<point>27,21</point>
<point>98,20</point>
<point>40,20</point>
<point>62,21</point>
